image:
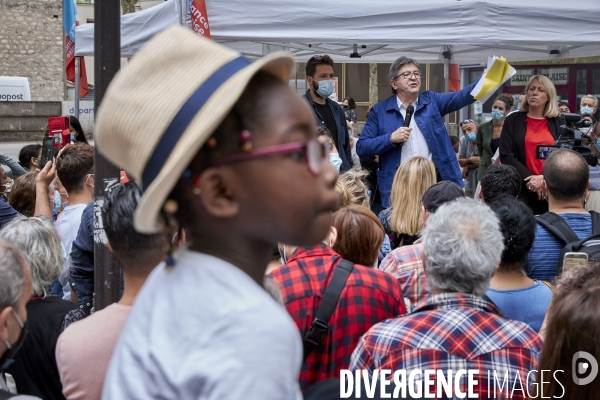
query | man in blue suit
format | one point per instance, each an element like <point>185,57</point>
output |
<point>385,136</point>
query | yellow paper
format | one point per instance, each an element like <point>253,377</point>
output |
<point>498,72</point>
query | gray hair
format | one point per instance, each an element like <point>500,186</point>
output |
<point>39,241</point>
<point>399,63</point>
<point>12,274</point>
<point>589,96</point>
<point>463,243</point>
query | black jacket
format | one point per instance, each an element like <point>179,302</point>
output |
<point>343,143</point>
<point>512,152</point>
<point>512,141</point>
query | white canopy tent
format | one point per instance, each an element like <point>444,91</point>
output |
<point>136,28</point>
<point>382,30</point>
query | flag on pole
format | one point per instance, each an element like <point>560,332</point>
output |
<point>197,9</point>
<point>70,22</point>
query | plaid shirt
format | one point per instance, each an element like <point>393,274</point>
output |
<point>406,265</point>
<point>369,297</point>
<point>452,331</point>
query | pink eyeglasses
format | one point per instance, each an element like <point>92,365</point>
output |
<point>313,151</point>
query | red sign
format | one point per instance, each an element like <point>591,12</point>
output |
<point>199,17</point>
<point>59,128</point>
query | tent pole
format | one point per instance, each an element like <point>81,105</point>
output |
<point>107,53</point>
<point>183,5</point>
<point>77,84</point>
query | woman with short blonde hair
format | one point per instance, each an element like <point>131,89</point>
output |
<point>402,221</point>
<point>536,124</point>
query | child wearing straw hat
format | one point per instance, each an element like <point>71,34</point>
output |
<point>227,151</point>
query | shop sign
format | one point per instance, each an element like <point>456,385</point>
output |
<point>558,76</point>
<point>521,77</point>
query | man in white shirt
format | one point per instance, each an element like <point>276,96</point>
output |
<point>385,135</point>
<point>75,169</point>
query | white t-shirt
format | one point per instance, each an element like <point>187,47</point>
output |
<point>67,225</point>
<point>205,330</point>
<point>416,145</point>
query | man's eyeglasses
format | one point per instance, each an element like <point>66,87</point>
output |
<point>314,152</point>
<point>467,121</point>
<point>408,75</point>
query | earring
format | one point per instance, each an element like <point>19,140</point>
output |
<point>196,182</point>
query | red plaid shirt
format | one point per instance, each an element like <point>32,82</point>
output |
<point>453,331</point>
<point>369,297</point>
<point>406,264</point>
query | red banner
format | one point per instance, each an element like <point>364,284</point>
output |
<point>199,17</point>
<point>70,67</point>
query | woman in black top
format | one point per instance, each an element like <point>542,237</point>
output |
<point>535,124</point>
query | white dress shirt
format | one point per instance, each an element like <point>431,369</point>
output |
<point>416,144</point>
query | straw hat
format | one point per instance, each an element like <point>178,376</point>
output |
<point>162,107</point>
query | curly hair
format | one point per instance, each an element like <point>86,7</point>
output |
<point>352,188</point>
<point>39,242</point>
<point>517,224</point>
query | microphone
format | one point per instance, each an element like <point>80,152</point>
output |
<point>410,110</point>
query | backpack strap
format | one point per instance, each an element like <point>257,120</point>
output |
<point>317,330</point>
<point>595,222</point>
<point>549,285</point>
<point>558,227</point>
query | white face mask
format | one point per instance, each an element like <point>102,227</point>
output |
<point>335,160</point>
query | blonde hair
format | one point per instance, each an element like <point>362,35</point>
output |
<point>352,188</point>
<point>551,108</point>
<point>412,179</point>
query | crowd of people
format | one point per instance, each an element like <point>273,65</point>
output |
<point>261,255</point>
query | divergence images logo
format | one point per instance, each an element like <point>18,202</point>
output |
<point>581,367</point>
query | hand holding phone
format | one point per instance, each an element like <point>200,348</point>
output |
<point>571,260</point>
<point>47,149</point>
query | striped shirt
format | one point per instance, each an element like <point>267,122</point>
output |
<point>544,254</point>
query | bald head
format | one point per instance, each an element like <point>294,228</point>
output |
<point>566,174</point>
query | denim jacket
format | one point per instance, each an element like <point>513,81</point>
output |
<point>385,118</point>
<point>81,260</point>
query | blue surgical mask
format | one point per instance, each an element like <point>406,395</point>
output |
<point>586,110</point>
<point>597,145</point>
<point>57,203</point>
<point>335,160</point>
<point>471,137</point>
<point>325,88</point>
<point>497,115</point>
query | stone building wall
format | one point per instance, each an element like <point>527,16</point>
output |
<point>31,45</point>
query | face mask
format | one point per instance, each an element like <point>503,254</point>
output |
<point>344,107</point>
<point>471,137</point>
<point>586,110</point>
<point>335,160</point>
<point>325,88</point>
<point>597,145</point>
<point>7,358</point>
<point>497,115</point>
<point>57,203</point>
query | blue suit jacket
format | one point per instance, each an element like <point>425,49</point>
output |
<point>385,118</point>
